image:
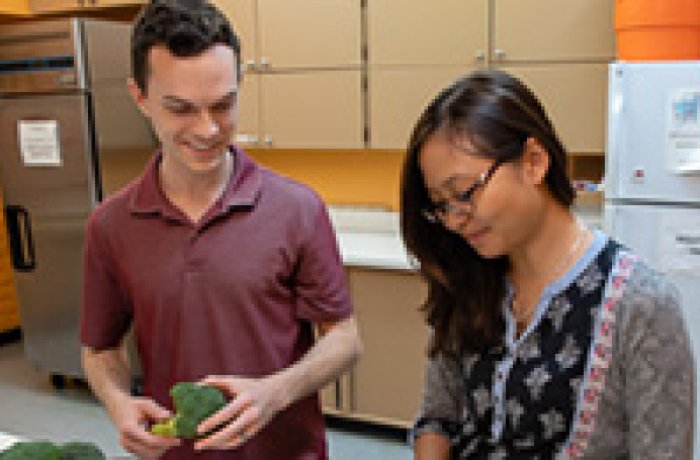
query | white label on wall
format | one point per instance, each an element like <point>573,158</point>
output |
<point>39,142</point>
<point>680,244</point>
<point>683,131</point>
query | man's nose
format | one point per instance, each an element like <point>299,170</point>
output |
<point>206,125</point>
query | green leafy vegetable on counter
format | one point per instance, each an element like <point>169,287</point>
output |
<point>81,451</point>
<point>44,450</point>
<point>193,404</point>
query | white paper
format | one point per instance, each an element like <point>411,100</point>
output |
<point>39,142</point>
<point>683,131</point>
<point>680,244</point>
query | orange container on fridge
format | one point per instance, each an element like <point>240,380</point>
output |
<point>657,30</point>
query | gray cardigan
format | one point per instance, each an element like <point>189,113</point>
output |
<point>646,408</point>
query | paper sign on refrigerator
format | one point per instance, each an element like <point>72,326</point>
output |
<point>39,142</point>
<point>683,131</point>
<point>680,244</point>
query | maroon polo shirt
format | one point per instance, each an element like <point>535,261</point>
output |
<point>234,294</point>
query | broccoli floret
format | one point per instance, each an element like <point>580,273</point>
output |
<point>44,450</point>
<point>81,451</point>
<point>36,450</point>
<point>193,403</point>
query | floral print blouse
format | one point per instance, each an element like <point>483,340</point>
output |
<point>584,380</point>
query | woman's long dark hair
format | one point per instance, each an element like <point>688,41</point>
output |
<point>496,113</point>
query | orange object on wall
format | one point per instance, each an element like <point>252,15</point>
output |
<point>342,177</point>
<point>657,30</point>
<point>9,305</point>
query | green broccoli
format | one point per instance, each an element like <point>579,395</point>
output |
<point>35,450</point>
<point>44,450</point>
<point>81,451</point>
<point>193,403</point>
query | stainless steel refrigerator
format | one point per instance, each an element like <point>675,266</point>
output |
<point>70,135</point>
<point>652,191</point>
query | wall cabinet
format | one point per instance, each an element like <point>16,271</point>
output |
<point>302,86</point>
<point>311,109</point>
<point>61,6</point>
<point>575,97</point>
<point>386,384</point>
<point>416,32</point>
<point>574,30</point>
<point>397,97</point>
<point>305,34</point>
<point>563,56</point>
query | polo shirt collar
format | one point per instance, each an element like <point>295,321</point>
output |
<point>243,188</point>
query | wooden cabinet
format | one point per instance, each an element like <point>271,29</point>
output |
<point>243,17</point>
<point>386,385</point>
<point>302,86</point>
<point>305,34</point>
<point>569,31</point>
<point>562,55</point>
<point>309,34</point>
<point>575,97</point>
<point>313,109</point>
<point>51,6</point>
<point>399,95</point>
<point>421,33</point>
<point>61,6</point>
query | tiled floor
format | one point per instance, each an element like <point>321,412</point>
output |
<point>30,407</point>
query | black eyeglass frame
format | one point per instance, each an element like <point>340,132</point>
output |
<point>437,213</point>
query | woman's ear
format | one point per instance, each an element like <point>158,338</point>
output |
<point>535,161</point>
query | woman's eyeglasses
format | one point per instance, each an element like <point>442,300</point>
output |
<point>461,202</point>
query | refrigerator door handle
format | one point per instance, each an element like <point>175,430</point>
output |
<point>19,230</point>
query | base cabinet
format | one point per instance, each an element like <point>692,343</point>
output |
<point>385,386</point>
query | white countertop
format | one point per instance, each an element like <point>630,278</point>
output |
<point>6,440</point>
<point>370,237</point>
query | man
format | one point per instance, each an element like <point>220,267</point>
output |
<point>221,266</point>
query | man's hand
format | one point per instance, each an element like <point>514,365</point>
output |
<point>133,416</point>
<point>254,402</point>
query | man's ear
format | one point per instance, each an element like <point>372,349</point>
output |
<point>535,161</point>
<point>138,95</point>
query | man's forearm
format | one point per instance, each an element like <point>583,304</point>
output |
<point>335,352</point>
<point>108,374</point>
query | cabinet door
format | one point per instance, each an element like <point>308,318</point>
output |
<point>107,3</point>
<point>419,32</point>
<point>248,130</point>
<point>398,97</point>
<point>51,6</point>
<point>575,97</point>
<point>309,33</point>
<point>388,379</point>
<point>242,14</point>
<point>570,30</point>
<point>312,109</point>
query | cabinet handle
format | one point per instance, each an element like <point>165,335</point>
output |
<point>264,63</point>
<point>249,65</point>
<point>479,55</point>
<point>250,139</point>
<point>19,231</point>
<point>500,54</point>
<point>267,140</point>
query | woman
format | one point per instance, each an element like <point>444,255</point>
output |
<point>550,340</point>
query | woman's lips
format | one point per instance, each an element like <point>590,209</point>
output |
<point>474,238</point>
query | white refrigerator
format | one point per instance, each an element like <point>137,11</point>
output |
<point>652,174</point>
